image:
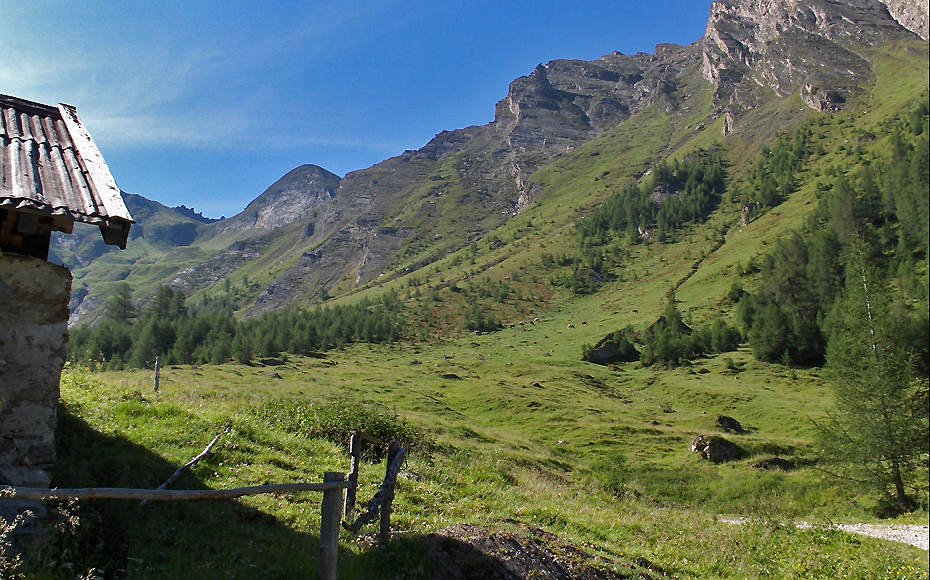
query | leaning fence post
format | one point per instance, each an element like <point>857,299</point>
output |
<point>331,514</point>
<point>355,449</point>
<point>385,537</point>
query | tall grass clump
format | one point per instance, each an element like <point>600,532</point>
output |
<point>336,421</point>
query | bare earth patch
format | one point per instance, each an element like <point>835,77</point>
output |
<point>471,553</point>
<point>918,536</point>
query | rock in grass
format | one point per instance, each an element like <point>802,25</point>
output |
<point>716,449</point>
<point>774,463</point>
<point>730,424</point>
<point>616,347</point>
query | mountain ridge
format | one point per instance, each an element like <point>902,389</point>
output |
<point>412,209</point>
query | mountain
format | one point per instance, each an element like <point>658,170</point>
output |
<point>812,48</point>
<point>312,235</point>
<point>155,223</point>
<point>293,198</point>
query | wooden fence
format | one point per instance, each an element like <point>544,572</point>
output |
<point>333,507</point>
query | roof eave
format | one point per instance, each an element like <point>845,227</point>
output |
<point>97,171</point>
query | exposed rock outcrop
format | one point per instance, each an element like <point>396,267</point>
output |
<point>730,424</point>
<point>806,47</point>
<point>293,198</point>
<point>557,107</point>
<point>911,14</point>
<point>613,348</point>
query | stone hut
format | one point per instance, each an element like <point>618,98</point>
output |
<point>51,175</point>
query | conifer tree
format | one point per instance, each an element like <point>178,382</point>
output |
<point>120,307</point>
<point>880,425</point>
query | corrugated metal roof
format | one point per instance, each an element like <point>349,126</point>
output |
<point>50,165</point>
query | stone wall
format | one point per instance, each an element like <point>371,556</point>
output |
<point>34,299</point>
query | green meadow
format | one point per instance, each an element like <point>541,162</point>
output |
<point>505,430</point>
<point>509,431</point>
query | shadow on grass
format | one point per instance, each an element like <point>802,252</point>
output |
<point>175,540</point>
<point>224,539</point>
<point>465,552</point>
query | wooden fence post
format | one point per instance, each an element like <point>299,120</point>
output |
<point>157,372</point>
<point>355,449</point>
<point>329,528</point>
<point>384,537</point>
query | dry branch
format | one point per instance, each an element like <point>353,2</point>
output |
<point>188,465</point>
<point>374,506</point>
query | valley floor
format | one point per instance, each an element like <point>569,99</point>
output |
<point>585,463</point>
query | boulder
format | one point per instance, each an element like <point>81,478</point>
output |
<point>716,449</point>
<point>613,348</point>
<point>775,463</point>
<point>730,424</point>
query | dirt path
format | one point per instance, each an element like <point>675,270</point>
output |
<point>918,536</point>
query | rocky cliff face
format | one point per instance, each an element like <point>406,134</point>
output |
<point>911,14</point>
<point>375,212</point>
<point>416,207</point>
<point>812,48</point>
<point>806,47</point>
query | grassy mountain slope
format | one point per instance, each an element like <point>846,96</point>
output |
<point>706,261</point>
<point>503,438</point>
<point>510,431</point>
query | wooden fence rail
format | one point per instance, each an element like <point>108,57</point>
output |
<point>333,485</point>
<point>332,508</point>
<point>62,494</point>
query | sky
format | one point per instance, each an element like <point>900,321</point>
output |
<point>206,104</point>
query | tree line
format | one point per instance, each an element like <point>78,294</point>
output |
<point>210,333</point>
<point>850,292</point>
<point>872,213</point>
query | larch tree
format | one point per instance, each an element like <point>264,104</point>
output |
<point>879,428</point>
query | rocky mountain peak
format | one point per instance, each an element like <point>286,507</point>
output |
<point>794,46</point>
<point>539,74</point>
<point>291,199</point>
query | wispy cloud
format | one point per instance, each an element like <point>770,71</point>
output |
<point>176,87</point>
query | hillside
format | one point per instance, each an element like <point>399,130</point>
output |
<point>313,234</point>
<point>550,311</point>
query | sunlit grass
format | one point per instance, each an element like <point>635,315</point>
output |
<point>580,451</point>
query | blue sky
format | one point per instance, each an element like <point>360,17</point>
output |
<point>206,104</point>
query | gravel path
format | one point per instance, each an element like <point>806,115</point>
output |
<point>918,536</point>
<point>914,535</point>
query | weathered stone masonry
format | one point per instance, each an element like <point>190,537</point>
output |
<point>34,298</point>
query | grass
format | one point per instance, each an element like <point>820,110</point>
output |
<point>518,431</point>
<point>587,453</point>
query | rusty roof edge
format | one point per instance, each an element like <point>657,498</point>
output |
<point>32,206</point>
<point>96,167</point>
<point>26,105</point>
